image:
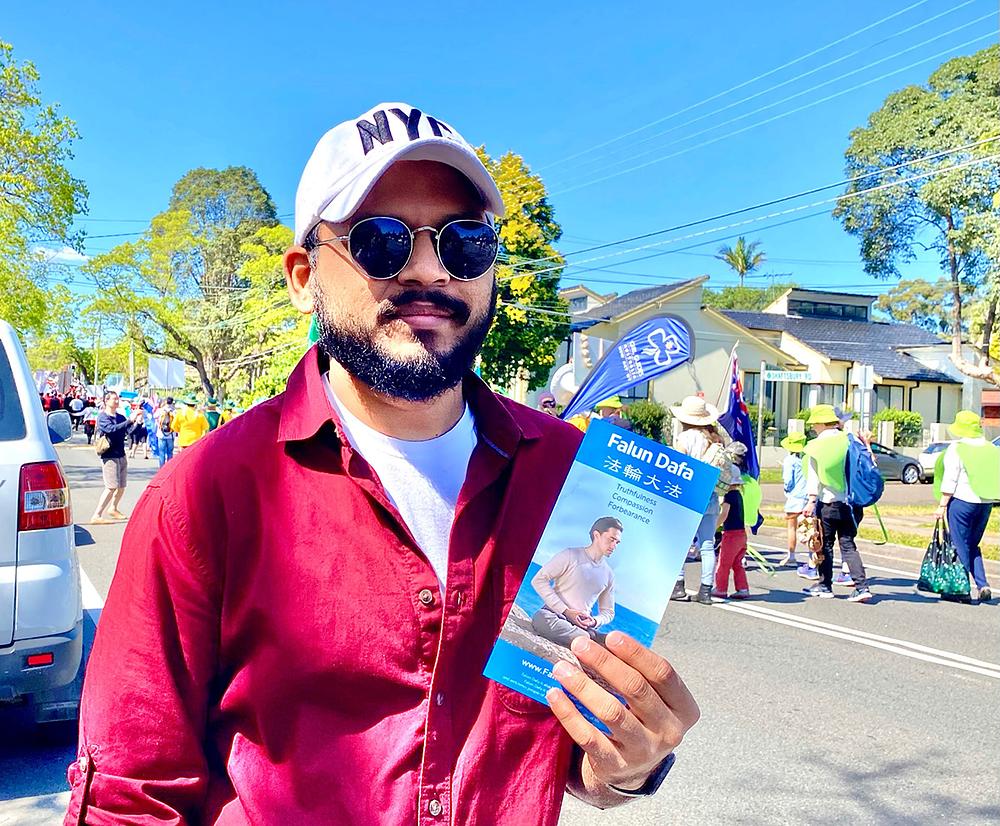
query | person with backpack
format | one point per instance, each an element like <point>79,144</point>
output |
<point>827,459</point>
<point>213,414</point>
<point>165,431</point>
<point>967,484</point>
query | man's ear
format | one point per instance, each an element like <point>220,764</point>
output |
<point>298,275</point>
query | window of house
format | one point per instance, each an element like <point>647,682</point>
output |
<point>828,394</point>
<point>751,390</point>
<point>640,391</point>
<point>578,304</point>
<point>888,396</point>
<point>824,309</point>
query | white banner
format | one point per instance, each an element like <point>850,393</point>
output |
<point>167,374</point>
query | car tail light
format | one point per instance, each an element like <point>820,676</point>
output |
<point>44,498</point>
<point>38,660</point>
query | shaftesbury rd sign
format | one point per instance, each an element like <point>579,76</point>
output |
<point>804,376</point>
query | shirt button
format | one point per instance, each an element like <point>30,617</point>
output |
<point>439,698</point>
<point>434,807</point>
<point>425,596</point>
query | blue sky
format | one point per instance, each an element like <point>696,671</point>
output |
<point>157,90</point>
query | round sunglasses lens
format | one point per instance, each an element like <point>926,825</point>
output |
<point>380,246</point>
<point>467,248</point>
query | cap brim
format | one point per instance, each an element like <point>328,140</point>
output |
<point>463,159</point>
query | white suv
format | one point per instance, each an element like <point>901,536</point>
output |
<point>41,607</point>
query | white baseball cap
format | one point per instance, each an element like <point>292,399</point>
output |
<point>350,158</point>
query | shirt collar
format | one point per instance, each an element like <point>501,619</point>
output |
<point>306,408</point>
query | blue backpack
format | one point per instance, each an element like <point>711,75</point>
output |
<point>864,483</point>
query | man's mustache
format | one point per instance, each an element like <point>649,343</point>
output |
<point>389,308</point>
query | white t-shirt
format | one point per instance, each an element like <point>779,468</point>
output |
<point>422,479</point>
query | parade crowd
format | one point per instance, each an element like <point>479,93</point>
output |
<point>819,507</point>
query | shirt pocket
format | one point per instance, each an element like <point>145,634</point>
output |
<point>520,704</point>
<point>80,775</point>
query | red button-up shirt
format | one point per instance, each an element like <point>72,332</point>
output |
<point>275,648</point>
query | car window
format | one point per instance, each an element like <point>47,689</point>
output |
<point>936,447</point>
<point>11,415</point>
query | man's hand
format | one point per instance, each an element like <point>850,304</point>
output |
<point>581,619</point>
<point>659,713</point>
<point>810,508</point>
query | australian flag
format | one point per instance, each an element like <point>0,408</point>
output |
<point>736,420</point>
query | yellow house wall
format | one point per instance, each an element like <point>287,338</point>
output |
<point>714,341</point>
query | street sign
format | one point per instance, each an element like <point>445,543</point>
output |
<point>804,376</point>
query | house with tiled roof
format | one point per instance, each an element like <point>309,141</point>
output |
<point>828,335</point>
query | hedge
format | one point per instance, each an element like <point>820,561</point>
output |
<point>649,418</point>
<point>909,426</point>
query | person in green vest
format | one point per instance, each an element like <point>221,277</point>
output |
<point>967,480</point>
<point>826,496</point>
<point>213,414</point>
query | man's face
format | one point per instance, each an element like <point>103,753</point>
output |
<point>414,336</point>
<point>607,542</point>
<point>111,402</point>
<point>548,406</point>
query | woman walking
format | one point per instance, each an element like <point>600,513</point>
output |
<point>794,478</point>
<point>699,433</point>
<point>114,426</point>
<point>968,478</point>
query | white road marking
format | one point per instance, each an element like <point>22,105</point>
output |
<point>92,602</point>
<point>901,647</point>
<point>911,574</point>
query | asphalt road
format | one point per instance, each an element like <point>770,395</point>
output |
<point>812,711</point>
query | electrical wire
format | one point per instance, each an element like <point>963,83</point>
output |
<point>758,110</point>
<point>771,119</point>
<point>737,87</point>
<point>773,201</point>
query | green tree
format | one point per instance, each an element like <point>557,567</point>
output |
<point>532,320</point>
<point>951,212</point>
<point>181,290</point>
<point>38,195</point>
<point>744,298</point>
<point>742,257</point>
<point>921,302</point>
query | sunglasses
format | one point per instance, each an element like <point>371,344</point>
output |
<point>382,247</point>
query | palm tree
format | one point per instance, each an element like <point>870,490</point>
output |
<point>742,257</point>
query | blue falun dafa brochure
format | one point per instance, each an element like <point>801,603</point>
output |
<point>590,576</point>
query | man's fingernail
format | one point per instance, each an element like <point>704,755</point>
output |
<point>579,645</point>
<point>563,669</point>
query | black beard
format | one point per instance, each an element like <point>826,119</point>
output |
<point>419,379</point>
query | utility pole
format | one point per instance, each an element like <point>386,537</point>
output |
<point>97,349</point>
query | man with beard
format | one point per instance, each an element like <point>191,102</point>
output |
<point>304,602</point>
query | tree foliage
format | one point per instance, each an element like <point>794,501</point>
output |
<point>649,418</point>
<point>952,213</point>
<point>532,320</point>
<point>744,298</point>
<point>201,285</point>
<point>744,258</point>
<point>38,195</point>
<point>920,302</point>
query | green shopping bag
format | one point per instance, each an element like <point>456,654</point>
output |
<point>941,572</point>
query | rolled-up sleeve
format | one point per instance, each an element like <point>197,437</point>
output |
<point>952,470</point>
<point>141,757</point>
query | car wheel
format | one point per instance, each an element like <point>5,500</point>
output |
<point>911,475</point>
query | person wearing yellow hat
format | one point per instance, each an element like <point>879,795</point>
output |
<point>826,496</point>
<point>967,479</point>
<point>793,478</point>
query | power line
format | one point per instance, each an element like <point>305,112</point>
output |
<point>839,198</point>
<point>737,87</point>
<point>773,104</point>
<point>771,119</point>
<point>772,202</point>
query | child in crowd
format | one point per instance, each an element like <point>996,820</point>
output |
<point>734,542</point>
<point>794,478</point>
